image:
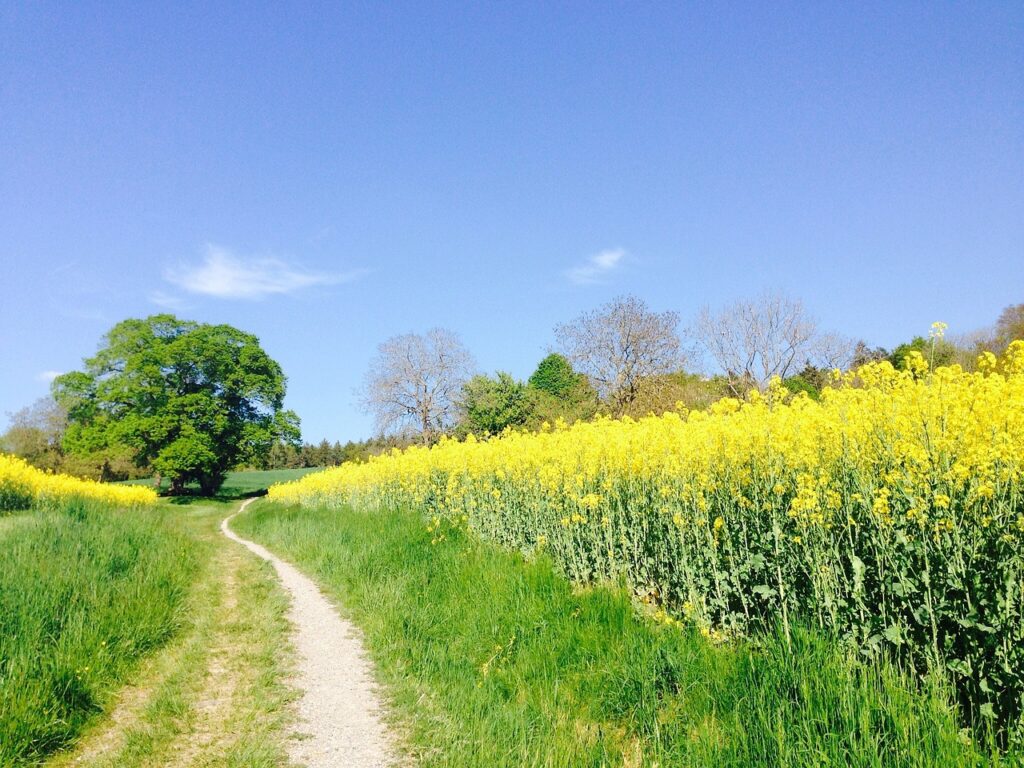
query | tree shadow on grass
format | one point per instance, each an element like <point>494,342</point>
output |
<point>191,496</point>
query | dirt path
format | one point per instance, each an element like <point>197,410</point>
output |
<point>216,695</point>
<point>339,710</point>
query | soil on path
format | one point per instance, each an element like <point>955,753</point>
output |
<point>340,713</point>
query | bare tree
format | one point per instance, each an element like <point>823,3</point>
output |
<point>755,340</point>
<point>831,350</point>
<point>415,381</point>
<point>1009,327</point>
<point>863,354</point>
<point>619,345</point>
<point>36,433</point>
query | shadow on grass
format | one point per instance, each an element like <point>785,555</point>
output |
<point>237,485</point>
<point>224,494</point>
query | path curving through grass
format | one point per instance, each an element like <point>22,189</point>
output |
<point>339,708</point>
<point>217,695</point>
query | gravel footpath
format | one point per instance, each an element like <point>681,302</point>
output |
<point>339,710</point>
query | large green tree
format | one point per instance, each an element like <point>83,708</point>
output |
<point>555,375</point>
<point>560,392</point>
<point>492,405</point>
<point>189,400</point>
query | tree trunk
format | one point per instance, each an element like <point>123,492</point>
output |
<point>207,486</point>
<point>425,420</point>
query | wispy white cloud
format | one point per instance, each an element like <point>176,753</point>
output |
<point>224,275</point>
<point>48,376</point>
<point>168,301</point>
<point>596,267</point>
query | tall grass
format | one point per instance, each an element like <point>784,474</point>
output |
<point>495,660</point>
<point>84,592</point>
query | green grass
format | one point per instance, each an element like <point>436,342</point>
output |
<point>9,523</point>
<point>238,485</point>
<point>84,594</point>
<point>491,660</point>
<point>216,694</point>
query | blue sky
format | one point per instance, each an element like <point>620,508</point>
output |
<point>329,176</point>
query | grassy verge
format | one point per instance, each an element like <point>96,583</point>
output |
<point>214,696</point>
<point>84,593</point>
<point>495,661</point>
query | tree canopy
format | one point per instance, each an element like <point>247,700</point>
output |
<point>619,345</point>
<point>555,375</point>
<point>1009,327</point>
<point>190,400</point>
<point>755,340</point>
<point>36,433</point>
<point>492,405</point>
<point>936,351</point>
<point>414,383</point>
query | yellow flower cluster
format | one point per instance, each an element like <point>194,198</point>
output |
<point>924,439</point>
<point>890,511</point>
<point>23,486</point>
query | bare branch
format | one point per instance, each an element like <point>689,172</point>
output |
<point>619,345</point>
<point>413,382</point>
<point>755,340</point>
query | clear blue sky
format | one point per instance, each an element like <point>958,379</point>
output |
<point>329,176</point>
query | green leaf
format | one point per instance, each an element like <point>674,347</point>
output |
<point>893,634</point>
<point>960,666</point>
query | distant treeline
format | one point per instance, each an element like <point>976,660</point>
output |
<point>326,454</point>
<point>620,360</point>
